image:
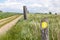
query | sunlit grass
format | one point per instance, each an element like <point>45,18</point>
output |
<point>30,29</point>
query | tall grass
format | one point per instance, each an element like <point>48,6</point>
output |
<point>30,29</point>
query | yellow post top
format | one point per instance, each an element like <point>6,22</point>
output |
<point>44,25</point>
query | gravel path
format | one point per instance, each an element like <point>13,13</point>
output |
<point>6,27</point>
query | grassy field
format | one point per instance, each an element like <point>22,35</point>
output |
<point>6,14</point>
<point>7,17</point>
<point>30,29</point>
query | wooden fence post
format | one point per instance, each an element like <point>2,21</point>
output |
<point>25,12</point>
<point>44,29</point>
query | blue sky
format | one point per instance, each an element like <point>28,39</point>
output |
<point>32,5</point>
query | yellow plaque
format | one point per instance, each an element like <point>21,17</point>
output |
<point>44,25</point>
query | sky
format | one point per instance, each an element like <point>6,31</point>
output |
<point>43,6</point>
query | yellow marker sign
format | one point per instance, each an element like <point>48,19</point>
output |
<point>44,25</point>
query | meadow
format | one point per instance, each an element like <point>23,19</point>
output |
<point>6,17</point>
<point>7,14</point>
<point>30,29</point>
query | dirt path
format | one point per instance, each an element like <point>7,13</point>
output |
<point>1,20</point>
<point>6,27</point>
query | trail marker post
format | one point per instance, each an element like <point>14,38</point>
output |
<point>44,29</point>
<point>25,12</point>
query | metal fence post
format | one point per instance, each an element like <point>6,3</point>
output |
<point>44,29</point>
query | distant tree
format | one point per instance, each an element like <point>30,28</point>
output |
<point>0,11</point>
<point>55,13</point>
<point>50,13</point>
<point>45,13</point>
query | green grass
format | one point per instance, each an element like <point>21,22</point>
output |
<point>30,29</point>
<point>6,14</point>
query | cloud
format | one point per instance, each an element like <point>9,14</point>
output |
<point>54,6</point>
<point>32,5</point>
<point>35,5</point>
<point>11,5</point>
<point>14,4</point>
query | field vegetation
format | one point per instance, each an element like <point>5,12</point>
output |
<point>30,29</point>
<point>7,14</point>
